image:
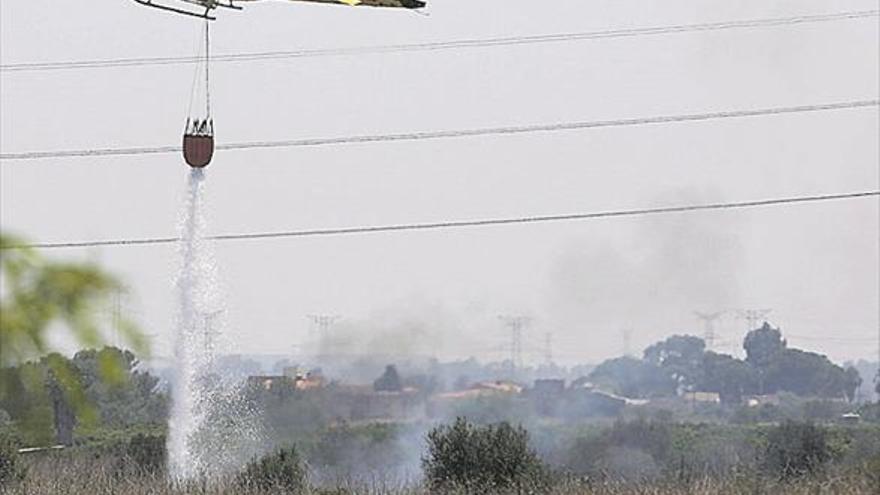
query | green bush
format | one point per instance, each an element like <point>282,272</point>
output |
<point>476,459</point>
<point>146,453</point>
<point>634,450</point>
<point>282,470</point>
<point>349,450</point>
<point>11,467</point>
<point>796,449</point>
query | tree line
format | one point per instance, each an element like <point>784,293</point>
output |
<point>681,363</point>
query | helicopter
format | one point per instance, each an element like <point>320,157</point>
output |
<point>198,135</point>
<point>210,5</point>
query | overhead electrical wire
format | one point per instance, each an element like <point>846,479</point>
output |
<point>838,340</point>
<point>446,134</point>
<point>447,45</point>
<point>455,224</point>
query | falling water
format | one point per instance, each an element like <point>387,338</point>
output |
<point>211,429</point>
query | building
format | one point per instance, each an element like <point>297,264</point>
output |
<point>702,397</point>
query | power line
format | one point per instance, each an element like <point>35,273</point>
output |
<point>452,224</point>
<point>446,45</point>
<point>838,340</point>
<point>452,133</point>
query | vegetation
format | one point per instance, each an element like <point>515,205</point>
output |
<point>63,475</point>
<point>40,292</point>
<point>281,471</point>
<point>640,456</point>
<point>636,451</point>
<point>633,377</point>
<point>102,403</point>
<point>477,459</point>
<point>48,395</point>
<point>796,449</point>
<point>682,364</point>
<point>11,467</point>
<point>352,452</point>
<point>145,454</point>
<point>50,406</point>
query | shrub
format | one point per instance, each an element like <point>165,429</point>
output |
<point>796,449</point>
<point>476,459</point>
<point>353,451</point>
<point>146,453</point>
<point>281,470</point>
<point>635,450</point>
<point>11,467</point>
<point>871,471</point>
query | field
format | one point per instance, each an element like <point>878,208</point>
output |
<point>64,476</point>
<point>795,458</point>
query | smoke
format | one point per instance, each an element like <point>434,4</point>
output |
<point>410,334</point>
<point>649,277</point>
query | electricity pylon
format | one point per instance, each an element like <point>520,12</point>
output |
<point>516,325</point>
<point>320,328</point>
<point>753,317</point>
<point>209,332</point>
<point>709,320</point>
<point>627,341</point>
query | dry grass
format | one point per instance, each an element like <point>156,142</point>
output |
<point>82,475</point>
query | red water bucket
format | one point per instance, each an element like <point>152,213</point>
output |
<point>198,150</point>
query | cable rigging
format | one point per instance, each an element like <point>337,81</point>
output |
<point>198,134</point>
<point>446,45</point>
<point>457,133</point>
<point>454,224</point>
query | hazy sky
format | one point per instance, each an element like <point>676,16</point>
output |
<point>440,292</point>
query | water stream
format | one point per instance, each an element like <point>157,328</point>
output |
<point>211,430</point>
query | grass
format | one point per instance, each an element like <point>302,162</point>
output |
<point>66,474</point>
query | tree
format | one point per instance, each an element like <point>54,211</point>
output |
<point>806,374</point>
<point>681,356</point>
<point>44,400</point>
<point>729,377</point>
<point>39,293</point>
<point>762,345</point>
<point>389,381</point>
<point>633,377</point>
<point>123,393</point>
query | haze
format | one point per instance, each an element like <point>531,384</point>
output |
<point>439,293</point>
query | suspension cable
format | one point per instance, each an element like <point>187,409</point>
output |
<point>208,70</point>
